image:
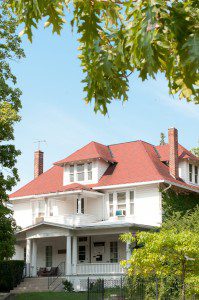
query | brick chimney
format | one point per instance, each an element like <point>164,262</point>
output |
<point>173,152</point>
<point>38,163</point>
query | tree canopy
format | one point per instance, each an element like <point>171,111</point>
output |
<point>9,114</point>
<point>170,253</point>
<point>118,38</point>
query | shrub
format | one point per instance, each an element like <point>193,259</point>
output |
<point>68,286</point>
<point>11,274</point>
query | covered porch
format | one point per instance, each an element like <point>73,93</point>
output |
<point>71,252</point>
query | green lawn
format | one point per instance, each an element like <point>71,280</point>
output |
<point>51,296</point>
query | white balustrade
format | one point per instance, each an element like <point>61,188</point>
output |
<point>71,219</point>
<point>99,268</point>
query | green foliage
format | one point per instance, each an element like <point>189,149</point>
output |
<point>68,286</point>
<point>9,114</point>
<point>117,38</point>
<point>11,273</point>
<point>173,201</point>
<point>195,151</point>
<point>162,138</point>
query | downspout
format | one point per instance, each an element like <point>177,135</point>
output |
<point>167,188</point>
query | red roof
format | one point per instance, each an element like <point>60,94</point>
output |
<point>90,151</point>
<point>135,162</point>
<point>183,153</point>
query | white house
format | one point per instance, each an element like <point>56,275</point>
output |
<point>73,214</point>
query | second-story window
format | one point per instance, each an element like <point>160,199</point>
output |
<point>80,172</point>
<point>41,208</point>
<point>89,166</point>
<point>72,173</point>
<point>131,202</point>
<point>121,203</point>
<point>111,205</point>
<point>196,174</point>
<point>80,210</point>
<point>190,172</point>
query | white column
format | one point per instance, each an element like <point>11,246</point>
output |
<point>68,255</point>
<point>34,258</point>
<point>28,257</point>
<point>128,250</point>
<point>74,255</point>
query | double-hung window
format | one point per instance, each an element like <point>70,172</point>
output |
<point>111,205</point>
<point>190,172</point>
<point>41,208</point>
<point>131,202</point>
<point>113,252</point>
<point>72,177</point>
<point>89,166</point>
<point>196,174</point>
<point>80,172</point>
<point>121,203</point>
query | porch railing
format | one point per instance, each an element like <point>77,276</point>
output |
<point>54,282</point>
<point>99,268</point>
<point>72,219</point>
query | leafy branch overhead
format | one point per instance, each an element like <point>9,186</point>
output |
<point>117,38</point>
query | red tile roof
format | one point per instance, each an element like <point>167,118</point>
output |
<point>90,151</point>
<point>135,162</point>
<point>183,153</point>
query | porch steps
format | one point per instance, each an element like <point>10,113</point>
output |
<point>38,284</point>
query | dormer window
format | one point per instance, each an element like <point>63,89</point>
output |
<point>89,166</point>
<point>190,172</point>
<point>80,172</point>
<point>72,173</point>
<point>196,174</point>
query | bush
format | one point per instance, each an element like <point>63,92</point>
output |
<point>11,274</point>
<point>68,286</point>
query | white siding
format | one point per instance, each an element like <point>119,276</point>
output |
<point>22,213</point>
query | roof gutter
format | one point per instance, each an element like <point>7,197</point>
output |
<point>56,194</point>
<point>126,185</point>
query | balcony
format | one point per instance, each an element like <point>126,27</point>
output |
<point>69,219</point>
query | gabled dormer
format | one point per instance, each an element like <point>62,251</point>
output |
<point>86,165</point>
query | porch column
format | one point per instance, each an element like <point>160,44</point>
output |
<point>28,256</point>
<point>74,255</point>
<point>128,250</point>
<point>34,258</point>
<point>68,255</point>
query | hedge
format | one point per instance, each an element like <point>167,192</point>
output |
<point>11,274</point>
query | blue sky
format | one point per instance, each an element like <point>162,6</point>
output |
<point>53,108</point>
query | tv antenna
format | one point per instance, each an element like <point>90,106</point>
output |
<point>38,142</point>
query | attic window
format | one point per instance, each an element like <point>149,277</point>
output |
<point>72,173</point>
<point>190,172</point>
<point>80,172</point>
<point>89,171</point>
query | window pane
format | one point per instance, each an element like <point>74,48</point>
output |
<point>89,175</point>
<point>90,166</point>
<point>190,172</point>
<point>110,198</point>
<point>131,208</point>
<point>80,176</point>
<point>121,197</point>
<point>80,168</point>
<point>82,205</point>
<point>82,253</point>
<point>131,196</point>
<point>113,252</point>
<point>71,177</point>
<point>196,174</point>
<point>72,169</point>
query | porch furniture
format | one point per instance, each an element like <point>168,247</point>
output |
<point>46,272</point>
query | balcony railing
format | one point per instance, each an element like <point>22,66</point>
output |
<point>70,219</point>
<point>99,268</point>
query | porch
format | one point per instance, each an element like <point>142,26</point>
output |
<point>75,255</point>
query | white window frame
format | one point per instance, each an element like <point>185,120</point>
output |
<point>196,168</point>
<point>71,174</point>
<point>190,172</point>
<point>80,172</point>
<point>111,205</point>
<point>132,203</point>
<point>90,171</point>
<point>122,203</point>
